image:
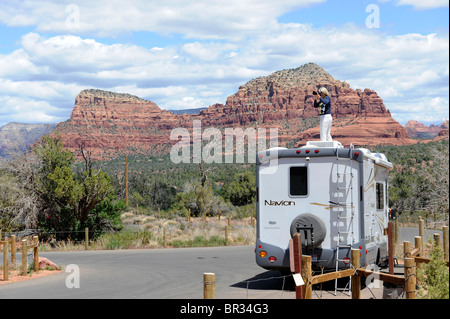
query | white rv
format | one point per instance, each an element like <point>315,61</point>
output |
<point>335,197</point>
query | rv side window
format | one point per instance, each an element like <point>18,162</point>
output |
<point>298,181</point>
<point>380,196</point>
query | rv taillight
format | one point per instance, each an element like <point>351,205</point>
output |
<point>298,152</point>
<point>357,153</point>
<point>307,151</point>
<point>262,254</point>
<point>316,151</point>
<point>259,246</point>
<point>272,259</point>
<point>346,260</point>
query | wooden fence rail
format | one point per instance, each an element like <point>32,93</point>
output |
<point>408,280</point>
<point>9,245</point>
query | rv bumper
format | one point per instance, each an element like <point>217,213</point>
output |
<point>264,252</point>
<point>321,258</point>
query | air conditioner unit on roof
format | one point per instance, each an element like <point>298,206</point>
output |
<point>330,144</point>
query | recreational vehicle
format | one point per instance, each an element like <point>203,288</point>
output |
<point>335,197</point>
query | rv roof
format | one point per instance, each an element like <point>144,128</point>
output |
<point>330,144</point>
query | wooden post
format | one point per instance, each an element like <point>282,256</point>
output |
<point>410,278</point>
<point>297,239</point>
<point>36,253</point>
<point>406,249</point>
<point>86,238</point>
<point>24,257</point>
<point>229,220</point>
<point>209,286</point>
<point>189,215</point>
<point>164,237</point>
<point>390,249</point>
<point>159,213</point>
<point>307,276</point>
<point>418,244</point>
<point>226,235</point>
<point>126,180</point>
<point>5,260</point>
<point>13,250</point>
<point>396,231</point>
<point>356,280</point>
<point>445,229</point>
<point>421,232</point>
<point>218,215</point>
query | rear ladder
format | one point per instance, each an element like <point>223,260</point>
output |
<point>345,210</point>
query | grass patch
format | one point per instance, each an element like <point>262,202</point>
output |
<point>199,241</point>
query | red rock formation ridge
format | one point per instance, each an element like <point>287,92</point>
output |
<point>284,100</point>
<point>419,130</point>
<point>287,94</point>
<point>110,123</point>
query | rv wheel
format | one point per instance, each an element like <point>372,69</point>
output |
<point>306,220</point>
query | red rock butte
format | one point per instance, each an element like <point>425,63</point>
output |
<point>110,124</point>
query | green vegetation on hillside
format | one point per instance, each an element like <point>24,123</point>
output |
<point>419,181</point>
<point>46,189</point>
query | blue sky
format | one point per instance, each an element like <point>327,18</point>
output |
<point>188,54</point>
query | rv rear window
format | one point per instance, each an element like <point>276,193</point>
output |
<point>380,196</point>
<point>298,180</point>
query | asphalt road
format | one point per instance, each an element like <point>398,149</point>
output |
<point>146,273</point>
<point>163,274</point>
<point>408,234</point>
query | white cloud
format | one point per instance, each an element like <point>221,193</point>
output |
<point>420,4</point>
<point>209,51</point>
<point>240,44</point>
<point>16,64</point>
<point>425,4</point>
<point>424,110</point>
<point>211,19</point>
<point>13,109</point>
<point>70,52</point>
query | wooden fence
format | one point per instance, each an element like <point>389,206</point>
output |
<point>10,246</point>
<point>412,256</point>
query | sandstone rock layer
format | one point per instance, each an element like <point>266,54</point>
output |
<point>110,124</point>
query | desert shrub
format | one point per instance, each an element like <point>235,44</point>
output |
<point>434,277</point>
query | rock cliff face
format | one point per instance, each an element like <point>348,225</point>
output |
<point>112,123</point>
<point>419,130</point>
<point>287,94</point>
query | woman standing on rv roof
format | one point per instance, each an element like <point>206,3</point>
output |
<point>323,102</point>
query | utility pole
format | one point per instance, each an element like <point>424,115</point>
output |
<point>126,180</point>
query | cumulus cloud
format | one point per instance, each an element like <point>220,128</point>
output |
<point>229,47</point>
<point>13,109</point>
<point>421,4</point>
<point>424,110</point>
<point>211,19</point>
